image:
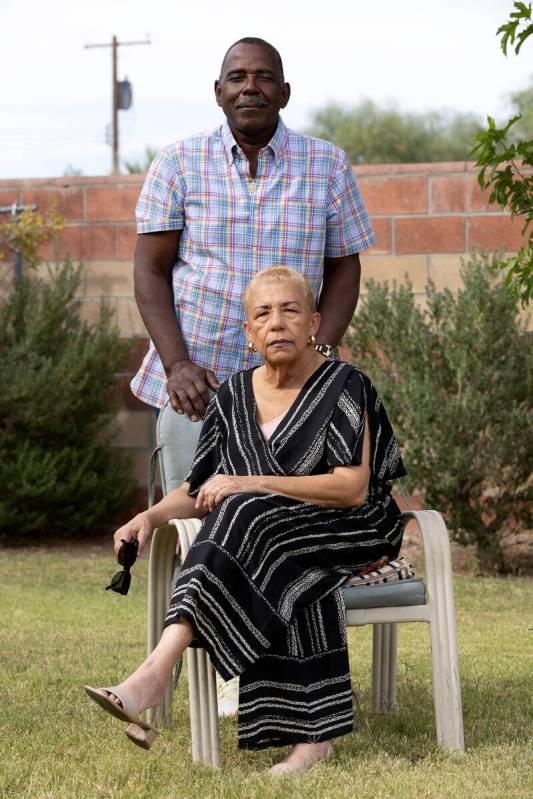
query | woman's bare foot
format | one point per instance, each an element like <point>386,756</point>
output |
<point>303,757</point>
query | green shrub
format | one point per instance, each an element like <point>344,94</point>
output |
<point>456,379</point>
<point>57,473</point>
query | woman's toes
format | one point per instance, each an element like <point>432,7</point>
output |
<point>282,768</point>
<point>114,698</point>
<point>303,757</point>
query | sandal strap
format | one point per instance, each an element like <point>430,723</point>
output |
<point>129,705</point>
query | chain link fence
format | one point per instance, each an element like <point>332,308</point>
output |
<point>10,261</point>
<point>7,279</point>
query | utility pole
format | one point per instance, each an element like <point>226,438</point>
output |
<point>115,98</point>
<point>14,210</point>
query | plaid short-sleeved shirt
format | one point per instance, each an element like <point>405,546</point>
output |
<point>303,204</point>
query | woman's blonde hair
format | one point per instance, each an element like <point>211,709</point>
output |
<point>282,274</point>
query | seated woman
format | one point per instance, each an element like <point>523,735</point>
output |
<point>291,477</point>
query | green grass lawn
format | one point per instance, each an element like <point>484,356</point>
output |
<point>60,629</point>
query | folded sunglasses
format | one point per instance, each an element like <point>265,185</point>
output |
<point>127,555</point>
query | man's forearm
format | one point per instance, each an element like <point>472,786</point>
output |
<point>187,383</point>
<point>154,259</point>
<point>156,305</point>
<point>338,298</point>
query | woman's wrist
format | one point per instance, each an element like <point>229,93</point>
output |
<point>175,505</point>
<point>260,484</point>
<point>152,517</point>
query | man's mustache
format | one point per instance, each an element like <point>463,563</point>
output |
<point>253,101</point>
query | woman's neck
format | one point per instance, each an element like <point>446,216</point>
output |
<point>292,375</point>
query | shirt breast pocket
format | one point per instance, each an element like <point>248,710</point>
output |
<point>303,227</point>
<point>213,221</point>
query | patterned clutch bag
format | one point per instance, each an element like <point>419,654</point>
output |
<point>382,571</point>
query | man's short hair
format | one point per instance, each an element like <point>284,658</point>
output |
<point>262,43</point>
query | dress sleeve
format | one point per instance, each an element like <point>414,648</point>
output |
<point>344,442</point>
<point>208,456</point>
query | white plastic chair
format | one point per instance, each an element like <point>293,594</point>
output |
<point>383,606</point>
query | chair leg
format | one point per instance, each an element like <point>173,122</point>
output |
<point>214,731</point>
<point>160,571</point>
<point>202,680</point>
<point>446,683</point>
<point>203,708</point>
<point>194,705</point>
<point>384,653</point>
<point>446,690</point>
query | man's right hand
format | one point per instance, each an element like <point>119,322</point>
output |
<point>188,388</point>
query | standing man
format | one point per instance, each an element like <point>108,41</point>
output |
<point>218,207</point>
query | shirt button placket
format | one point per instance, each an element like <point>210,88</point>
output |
<point>252,188</point>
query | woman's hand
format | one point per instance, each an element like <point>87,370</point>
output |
<point>140,527</point>
<point>221,486</point>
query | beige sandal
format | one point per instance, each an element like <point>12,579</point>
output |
<point>138,735</point>
<point>138,731</point>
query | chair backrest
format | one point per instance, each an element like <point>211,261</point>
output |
<point>176,437</point>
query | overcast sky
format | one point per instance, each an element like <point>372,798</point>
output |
<point>55,95</point>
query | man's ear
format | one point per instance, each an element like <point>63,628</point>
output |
<point>286,94</point>
<point>218,92</point>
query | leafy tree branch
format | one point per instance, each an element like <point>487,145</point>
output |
<point>505,163</point>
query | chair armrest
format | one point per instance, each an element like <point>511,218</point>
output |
<point>437,554</point>
<point>161,570</point>
<point>187,530</point>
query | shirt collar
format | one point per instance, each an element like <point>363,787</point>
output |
<point>276,144</point>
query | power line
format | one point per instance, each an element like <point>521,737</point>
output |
<point>51,135</point>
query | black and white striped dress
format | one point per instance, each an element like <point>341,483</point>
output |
<point>262,583</point>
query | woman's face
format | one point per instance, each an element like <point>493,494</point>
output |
<point>279,321</point>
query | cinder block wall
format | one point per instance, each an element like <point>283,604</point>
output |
<point>426,217</point>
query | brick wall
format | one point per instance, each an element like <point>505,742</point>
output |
<point>426,217</point>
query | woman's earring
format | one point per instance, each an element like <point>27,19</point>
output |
<point>311,340</point>
<point>251,347</point>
